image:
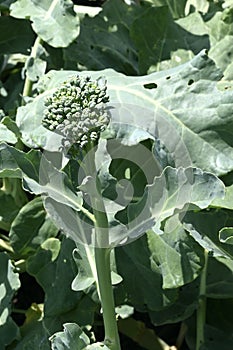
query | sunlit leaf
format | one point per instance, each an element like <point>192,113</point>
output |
<point>49,18</point>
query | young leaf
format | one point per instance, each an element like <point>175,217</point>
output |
<point>72,338</point>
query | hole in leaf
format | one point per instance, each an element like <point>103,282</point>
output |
<point>150,86</point>
<point>91,47</point>
<point>190,82</point>
<point>168,77</point>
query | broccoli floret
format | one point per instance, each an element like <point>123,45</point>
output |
<point>77,110</point>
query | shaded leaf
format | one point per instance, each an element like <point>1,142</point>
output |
<point>15,35</point>
<point>140,334</point>
<point>219,283</point>
<point>142,278</point>
<point>204,227</point>
<point>104,41</point>
<point>49,18</point>
<point>31,228</point>
<point>8,210</point>
<point>152,48</point>
<point>52,267</point>
<point>182,308</point>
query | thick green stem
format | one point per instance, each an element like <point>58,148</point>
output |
<point>102,257</point>
<point>201,311</point>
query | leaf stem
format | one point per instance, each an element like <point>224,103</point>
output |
<point>201,311</point>
<point>27,89</point>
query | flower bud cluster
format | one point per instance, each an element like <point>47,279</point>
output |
<point>77,110</point>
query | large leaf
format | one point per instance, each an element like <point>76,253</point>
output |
<point>170,105</point>
<point>9,284</point>
<point>53,20</point>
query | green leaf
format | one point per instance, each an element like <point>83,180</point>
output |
<point>177,254</point>
<point>72,338</point>
<point>181,309</point>
<point>219,284</point>
<point>53,268</point>
<point>151,47</point>
<point>35,67</point>
<point>97,346</point>
<point>31,228</point>
<point>87,273</point>
<point>49,17</point>
<point>170,193</point>
<point>11,125</point>
<point>33,133</point>
<point>142,278</point>
<point>166,105</point>
<point>227,201</point>
<point>33,331</point>
<point>104,41</point>
<point>204,227</point>
<point>16,36</point>
<point>6,135</point>
<point>9,284</point>
<point>176,8</point>
<point>124,311</point>
<point>40,176</point>
<point>9,210</point>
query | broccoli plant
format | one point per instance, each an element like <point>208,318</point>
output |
<point>115,164</point>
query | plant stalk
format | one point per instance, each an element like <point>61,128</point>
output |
<point>201,311</point>
<point>102,258</point>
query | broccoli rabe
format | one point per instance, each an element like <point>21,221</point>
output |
<point>77,110</point>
